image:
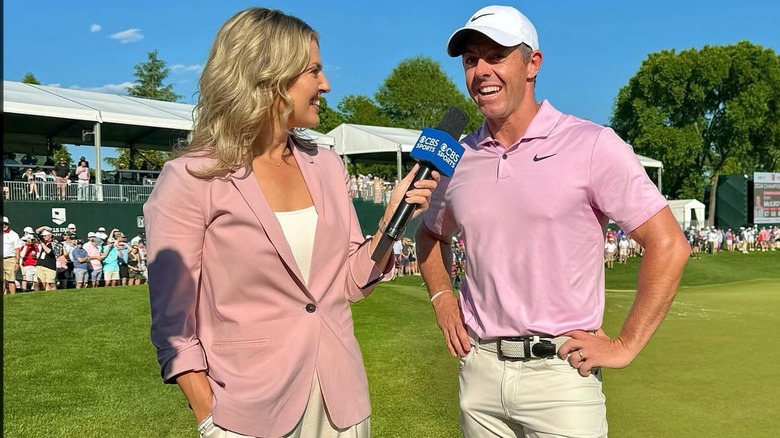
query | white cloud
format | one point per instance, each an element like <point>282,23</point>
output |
<point>95,28</point>
<point>128,36</point>
<point>181,68</point>
<point>119,89</point>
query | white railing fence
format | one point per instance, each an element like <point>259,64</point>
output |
<point>74,191</point>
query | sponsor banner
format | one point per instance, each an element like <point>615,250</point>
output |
<point>766,197</point>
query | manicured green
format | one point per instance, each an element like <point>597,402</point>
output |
<point>80,364</point>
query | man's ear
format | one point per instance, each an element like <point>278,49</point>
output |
<point>534,65</point>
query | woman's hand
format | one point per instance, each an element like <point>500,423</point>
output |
<point>420,194</point>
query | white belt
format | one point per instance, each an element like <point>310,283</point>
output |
<point>524,347</point>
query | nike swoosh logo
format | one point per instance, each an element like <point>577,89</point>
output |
<point>538,158</point>
<point>480,16</point>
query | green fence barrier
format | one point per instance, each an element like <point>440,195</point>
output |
<point>87,216</point>
<point>128,216</point>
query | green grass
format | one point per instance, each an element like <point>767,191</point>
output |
<point>80,363</point>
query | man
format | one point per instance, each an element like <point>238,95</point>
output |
<point>48,251</point>
<point>123,250</point>
<point>66,276</point>
<point>29,159</point>
<point>758,208</point>
<point>527,321</point>
<point>11,246</point>
<point>10,170</point>
<point>140,237</point>
<point>61,174</point>
<point>94,257</point>
<point>81,265</point>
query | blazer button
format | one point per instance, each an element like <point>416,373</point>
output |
<point>311,308</point>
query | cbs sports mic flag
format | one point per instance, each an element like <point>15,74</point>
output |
<point>439,149</point>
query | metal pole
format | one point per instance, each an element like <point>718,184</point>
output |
<point>660,172</point>
<point>399,163</point>
<point>98,175</point>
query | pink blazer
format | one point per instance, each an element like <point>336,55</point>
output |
<point>227,296</point>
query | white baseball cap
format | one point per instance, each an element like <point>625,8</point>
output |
<point>45,233</point>
<point>29,230</point>
<point>5,220</point>
<point>91,234</point>
<point>502,24</point>
<point>71,225</point>
<point>101,228</point>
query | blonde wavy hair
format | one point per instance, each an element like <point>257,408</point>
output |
<point>256,56</point>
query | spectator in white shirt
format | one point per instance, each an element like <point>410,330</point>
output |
<point>11,246</point>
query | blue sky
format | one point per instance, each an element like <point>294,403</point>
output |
<point>590,49</point>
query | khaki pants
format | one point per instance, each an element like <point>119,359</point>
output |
<point>46,275</point>
<point>537,398</point>
<point>9,271</point>
<point>314,424</point>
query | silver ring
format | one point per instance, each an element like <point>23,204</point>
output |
<point>580,353</point>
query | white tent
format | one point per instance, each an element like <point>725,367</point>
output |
<point>354,139</point>
<point>688,212</point>
<point>37,116</point>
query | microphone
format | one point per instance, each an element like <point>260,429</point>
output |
<point>436,149</point>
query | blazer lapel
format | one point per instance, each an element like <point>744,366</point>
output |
<point>254,197</point>
<point>312,173</point>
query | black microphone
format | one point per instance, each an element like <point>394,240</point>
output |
<point>436,149</point>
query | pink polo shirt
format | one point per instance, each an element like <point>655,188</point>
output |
<point>533,218</point>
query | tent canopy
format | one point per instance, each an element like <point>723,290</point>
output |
<point>374,143</point>
<point>351,139</point>
<point>37,116</point>
<point>688,212</point>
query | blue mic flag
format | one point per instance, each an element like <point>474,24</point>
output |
<point>439,149</point>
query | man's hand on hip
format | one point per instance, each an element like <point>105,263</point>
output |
<point>585,351</point>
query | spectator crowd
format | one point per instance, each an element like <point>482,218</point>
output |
<point>746,239</point>
<point>371,188</point>
<point>39,260</point>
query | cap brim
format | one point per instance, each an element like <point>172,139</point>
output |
<point>459,37</point>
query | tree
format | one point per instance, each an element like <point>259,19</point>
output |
<point>145,160</point>
<point>149,79</point>
<point>150,76</point>
<point>703,112</point>
<point>63,153</point>
<point>361,110</point>
<point>30,78</point>
<point>417,92</point>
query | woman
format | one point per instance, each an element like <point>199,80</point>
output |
<point>32,186</point>
<point>255,250</point>
<point>134,266</point>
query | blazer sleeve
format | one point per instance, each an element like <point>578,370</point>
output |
<point>365,274</point>
<point>175,228</point>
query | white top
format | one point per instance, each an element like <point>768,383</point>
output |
<point>11,242</point>
<point>299,227</point>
